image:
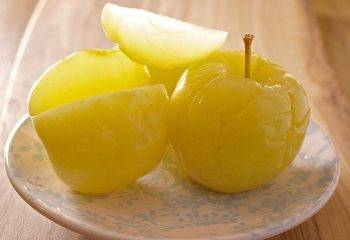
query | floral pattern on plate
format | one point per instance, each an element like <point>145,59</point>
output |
<point>167,205</point>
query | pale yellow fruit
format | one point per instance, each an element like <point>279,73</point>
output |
<point>85,74</point>
<point>105,142</point>
<point>157,40</point>
<point>233,133</point>
<point>100,135</point>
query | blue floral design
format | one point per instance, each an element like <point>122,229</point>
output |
<point>166,203</point>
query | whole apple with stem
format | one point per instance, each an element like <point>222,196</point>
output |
<point>237,120</point>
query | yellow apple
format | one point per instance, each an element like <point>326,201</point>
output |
<point>234,133</point>
<point>101,127</point>
<point>84,74</point>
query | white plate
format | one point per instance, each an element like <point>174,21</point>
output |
<point>166,205</point>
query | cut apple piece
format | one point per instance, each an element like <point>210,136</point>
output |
<point>105,142</point>
<point>85,74</point>
<point>157,40</point>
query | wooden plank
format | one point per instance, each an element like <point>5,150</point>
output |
<point>14,16</point>
<point>17,220</point>
<point>327,47</point>
<point>288,35</point>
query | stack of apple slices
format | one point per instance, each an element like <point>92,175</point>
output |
<point>105,118</point>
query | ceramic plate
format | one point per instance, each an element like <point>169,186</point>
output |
<point>167,205</point>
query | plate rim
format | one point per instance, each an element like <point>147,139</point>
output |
<point>89,230</point>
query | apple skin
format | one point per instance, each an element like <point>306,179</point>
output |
<point>85,74</point>
<point>103,143</point>
<point>234,134</point>
<point>101,123</point>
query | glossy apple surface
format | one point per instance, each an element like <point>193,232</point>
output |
<point>100,129</point>
<point>84,74</point>
<point>233,133</point>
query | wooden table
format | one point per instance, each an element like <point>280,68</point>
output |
<point>311,39</point>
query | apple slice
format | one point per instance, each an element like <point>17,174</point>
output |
<point>157,40</point>
<point>85,74</point>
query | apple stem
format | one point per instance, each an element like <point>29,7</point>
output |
<point>247,39</point>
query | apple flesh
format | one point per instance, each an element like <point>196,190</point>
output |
<point>233,133</point>
<point>156,40</point>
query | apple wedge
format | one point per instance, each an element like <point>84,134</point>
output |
<point>157,40</point>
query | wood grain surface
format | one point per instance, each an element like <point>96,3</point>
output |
<point>310,38</point>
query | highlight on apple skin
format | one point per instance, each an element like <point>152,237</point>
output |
<point>101,124</point>
<point>233,133</point>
